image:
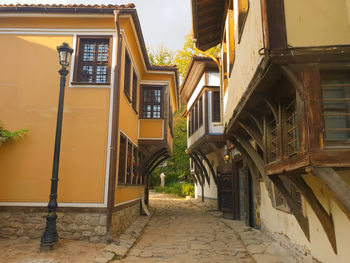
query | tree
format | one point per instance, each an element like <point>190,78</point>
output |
<point>161,56</point>
<point>177,166</point>
<point>183,56</point>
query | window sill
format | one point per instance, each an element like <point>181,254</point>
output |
<point>144,118</point>
<point>89,85</point>
<point>130,185</point>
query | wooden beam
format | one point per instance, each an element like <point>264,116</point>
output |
<point>313,107</point>
<point>253,133</point>
<point>324,218</point>
<point>272,107</point>
<point>338,188</point>
<point>294,79</point>
<point>199,169</point>
<point>303,222</point>
<point>258,123</point>
<point>200,163</point>
<point>217,153</point>
<point>209,165</point>
<point>254,155</point>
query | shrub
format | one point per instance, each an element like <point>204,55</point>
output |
<point>177,189</point>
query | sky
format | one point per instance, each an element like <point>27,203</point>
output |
<point>163,22</point>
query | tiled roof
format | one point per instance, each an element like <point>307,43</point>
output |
<point>71,8</point>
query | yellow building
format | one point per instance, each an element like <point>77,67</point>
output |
<point>285,92</point>
<point>117,121</point>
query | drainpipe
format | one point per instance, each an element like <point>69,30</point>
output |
<point>221,80</point>
<point>115,129</point>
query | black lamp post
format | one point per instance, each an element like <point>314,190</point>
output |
<point>50,237</point>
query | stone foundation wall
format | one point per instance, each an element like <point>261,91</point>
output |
<point>77,226</point>
<point>124,217</point>
<point>301,254</point>
<point>209,203</point>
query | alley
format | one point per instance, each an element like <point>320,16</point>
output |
<point>182,231</point>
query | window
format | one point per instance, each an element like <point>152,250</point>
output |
<point>243,7</point>
<point>152,102</point>
<point>216,106</point>
<point>129,164</point>
<point>127,70</point>
<point>271,132</point>
<point>336,107</point>
<point>134,90</point>
<point>196,117</point>
<point>200,105</point>
<point>135,171</point>
<point>129,159</point>
<point>122,159</point>
<point>93,60</point>
<point>170,117</point>
<point>280,203</point>
<point>291,127</point>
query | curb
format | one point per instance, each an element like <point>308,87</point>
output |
<point>127,240</point>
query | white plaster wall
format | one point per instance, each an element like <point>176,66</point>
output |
<point>214,78</point>
<point>285,224</point>
<point>195,93</point>
<point>317,22</point>
<point>209,191</point>
<point>247,58</point>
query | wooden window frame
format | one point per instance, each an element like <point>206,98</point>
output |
<point>77,63</point>
<point>200,111</point>
<point>134,91</point>
<point>122,160</point>
<point>161,103</point>
<point>196,119</point>
<point>127,75</point>
<point>333,144</point>
<point>213,109</point>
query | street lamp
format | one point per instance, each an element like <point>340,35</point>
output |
<point>50,238</point>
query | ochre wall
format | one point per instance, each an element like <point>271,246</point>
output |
<point>29,92</point>
<point>151,128</point>
<point>126,193</point>
<point>286,224</point>
<point>317,23</point>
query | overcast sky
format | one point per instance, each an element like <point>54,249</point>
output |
<point>162,21</point>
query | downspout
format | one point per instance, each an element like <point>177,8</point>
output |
<point>221,80</point>
<point>115,129</point>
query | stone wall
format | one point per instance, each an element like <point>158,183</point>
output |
<point>210,203</point>
<point>77,226</point>
<point>124,217</point>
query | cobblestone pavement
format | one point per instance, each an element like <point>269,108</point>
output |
<point>182,231</point>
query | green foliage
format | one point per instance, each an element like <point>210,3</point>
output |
<point>177,166</point>
<point>176,188</point>
<point>161,56</point>
<point>183,56</point>
<point>6,135</point>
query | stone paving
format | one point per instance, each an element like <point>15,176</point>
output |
<point>180,230</point>
<point>183,231</point>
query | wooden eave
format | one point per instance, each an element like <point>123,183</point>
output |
<point>208,17</point>
<point>203,143</point>
<point>198,66</point>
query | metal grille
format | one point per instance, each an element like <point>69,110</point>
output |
<point>336,107</point>
<point>273,138</point>
<point>93,64</point>
<point>291,128</point>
